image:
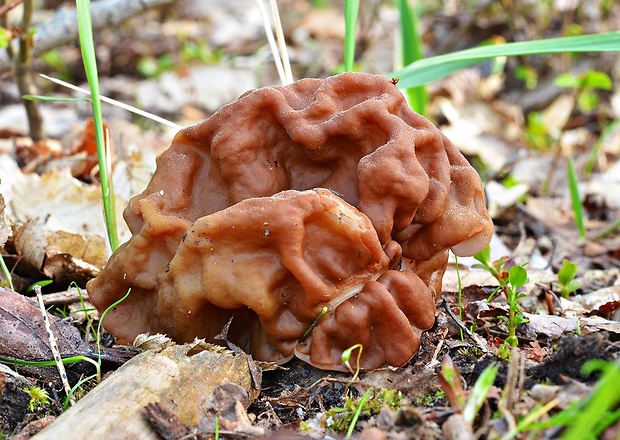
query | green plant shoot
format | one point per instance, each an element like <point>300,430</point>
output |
<point>573,186</point>
<point>6,272</point>
<point>87,46</point>
<point>479,393</point>
<point>411,51</point>
<point>566,278</point>
<point>432,69</point>
<point>351,11</point>
<point>358,411</point>
<point>346,357</point>
<point>512,279</point>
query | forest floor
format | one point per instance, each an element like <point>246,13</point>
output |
<point>512,120</point>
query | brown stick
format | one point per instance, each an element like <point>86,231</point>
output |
<point>4,9</point>
<point>23,74</point>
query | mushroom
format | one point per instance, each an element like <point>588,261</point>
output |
<point>320,196</point>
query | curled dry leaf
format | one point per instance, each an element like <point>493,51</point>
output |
<point>321,195</point>
<point>23,335</point>
<point>56,199</point>
<point>59,255</point>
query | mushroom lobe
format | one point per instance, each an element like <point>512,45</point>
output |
<point>298,220</point>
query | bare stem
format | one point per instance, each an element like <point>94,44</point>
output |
<point>23,75</point>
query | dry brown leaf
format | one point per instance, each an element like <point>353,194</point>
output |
<point>23,335</point>
<point>62,256</point>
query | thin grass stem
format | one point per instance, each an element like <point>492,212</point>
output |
<point>87,47</point>
<point>358,411</point>
<point>116,103</point>
<point>275,14</point>
<point>573,185</point>
<point>272,42</point>
<point>6,272</point>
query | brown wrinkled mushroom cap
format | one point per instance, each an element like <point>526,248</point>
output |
<point>324,193</point>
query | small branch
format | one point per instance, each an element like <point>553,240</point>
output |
<point>23,74</point>
<point>52,341</point>
<point>4,9</point>
<point>481,343</point>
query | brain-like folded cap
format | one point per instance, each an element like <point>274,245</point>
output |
<point>321,195</point>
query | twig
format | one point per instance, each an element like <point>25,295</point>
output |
<point>23,74</point>
<point>4,9</point>
<point>116,103</point>
<point>481,343</point>
<point>438,349</point>
<point>53,346</point>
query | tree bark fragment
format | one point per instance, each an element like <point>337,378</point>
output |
<point>180,379</point>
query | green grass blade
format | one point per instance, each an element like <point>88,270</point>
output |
<point>87,46</point>
<point>6,272</point>
<point>351,11</point>
<point>573,186</point>
<point>411,46</point>
<point>431,69</point>
<point>52,98</point>
<point>608,131</point>
<point>479,392</point>
<point>358,411</point>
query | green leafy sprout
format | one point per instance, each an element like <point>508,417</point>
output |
<point>87,46</point>
<point>573,186</point>
<point>566,278</point>
<point>512,279</point>
<point>586,85</point>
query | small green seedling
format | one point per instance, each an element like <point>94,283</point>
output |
<point>432,398</point>
<point>346,357</point>
<point>566,278</point>
<point>512,280</point>
<point>573,187</point>
<point>451,383</point>
<point>586,86</point>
